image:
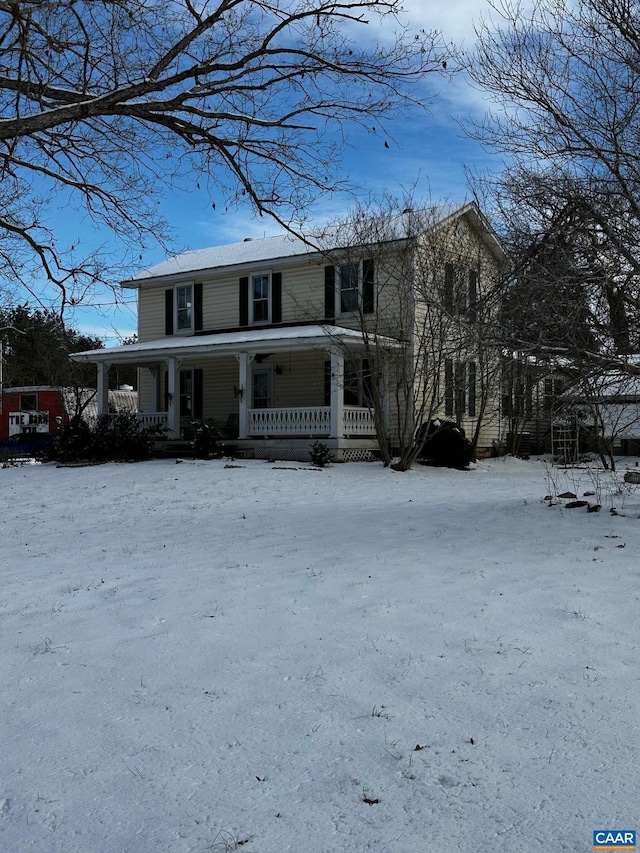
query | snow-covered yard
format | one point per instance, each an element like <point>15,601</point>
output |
<point>204,658</point>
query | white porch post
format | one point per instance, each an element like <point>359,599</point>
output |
<point>337,393</point>
<point>244,360</point>
<point>173,397</point>
<point>154,403</point>
<point>103,389</point>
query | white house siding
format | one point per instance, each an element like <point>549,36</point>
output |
<point>303,293</point>
<point>220,304</point>
<point>219,377</point>
<point>302,299</point>
<point>301,382</point>
<point>150,313</point>
<point>144,390</point>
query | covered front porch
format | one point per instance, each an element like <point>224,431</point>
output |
<point>248,383</point>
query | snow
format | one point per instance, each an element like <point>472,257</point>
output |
<point>218,257</point>
<point>223,343</point>
<point>271,658</point>
<point>274,248</point>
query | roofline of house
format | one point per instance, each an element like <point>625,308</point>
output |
<point>206,272</point>
<point>318,255</point>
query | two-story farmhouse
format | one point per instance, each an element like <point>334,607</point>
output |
<point>275,338</point>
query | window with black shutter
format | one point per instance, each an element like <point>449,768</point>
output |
<point>183,309</point>
<point>260,299</point>
<point>349,288</point>
<point>459,388</point>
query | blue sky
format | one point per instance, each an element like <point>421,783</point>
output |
<point>428,151</point>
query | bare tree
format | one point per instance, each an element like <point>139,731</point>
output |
<point>102,103</point>
<point>427,312</point>
<point>565,83</point>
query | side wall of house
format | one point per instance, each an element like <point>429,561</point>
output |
<point>457,304</point>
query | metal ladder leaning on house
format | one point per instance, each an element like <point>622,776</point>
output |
<point>565,443</point>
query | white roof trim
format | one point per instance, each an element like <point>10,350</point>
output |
<point>229,343</point>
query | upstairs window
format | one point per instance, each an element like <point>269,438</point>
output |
<point>260,298</point>
<point>461,291</point>
<point>184,308</point>
<point>349,289</point>
<point>349,285</point>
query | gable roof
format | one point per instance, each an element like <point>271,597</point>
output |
<point>281,247</point>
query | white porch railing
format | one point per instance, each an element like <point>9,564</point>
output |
<point>151,419</point>
<point>301,421</point>
<point>358,421</point>
<point>308,421</point>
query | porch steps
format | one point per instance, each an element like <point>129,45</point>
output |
<point>173,450</point>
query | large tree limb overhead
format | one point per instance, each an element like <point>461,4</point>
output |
<point>110,100</point>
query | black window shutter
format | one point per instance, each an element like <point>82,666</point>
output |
<point>471,381</point>
<point>197,306</point>
<point>276,297</point>
<point>244,301</point>
<point>165,402</point>
<point>472,311</point>
<point>367,286</point>
<point>197,393</point>
<point>168,311</point>
<point>460,375</point>
<point>449,287</point>
<point>448,388</point>
<point>330,293</point>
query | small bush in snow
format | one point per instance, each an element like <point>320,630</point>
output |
<point>320,455</point>
<point>207,443</point>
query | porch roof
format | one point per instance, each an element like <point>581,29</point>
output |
<point>229,343</point>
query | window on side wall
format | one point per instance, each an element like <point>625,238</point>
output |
<point>459,389</point>
<point>461,291</point>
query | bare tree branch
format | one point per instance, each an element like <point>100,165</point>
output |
<point>103,103</point>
